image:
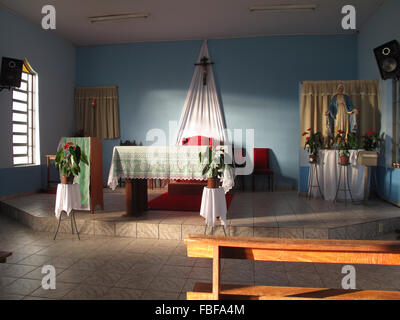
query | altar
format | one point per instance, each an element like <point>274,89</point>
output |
<point>328,169</point>
<point>136,164</point>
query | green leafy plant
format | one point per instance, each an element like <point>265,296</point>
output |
<point>314,142</point>
<point>214,160</point>
<point>68,159</point>
<point>370,141</point>
<point>346,142</point>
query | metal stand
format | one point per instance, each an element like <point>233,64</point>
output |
<point>73,222</point>
<point>313,171</point>
<point>212,229</point>
<point>346,184</point>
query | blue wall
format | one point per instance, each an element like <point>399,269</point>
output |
<point>258,80</point>
<point>54,61</point>
<point>384,26</point>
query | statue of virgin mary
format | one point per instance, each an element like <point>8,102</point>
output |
<point>341,114</point>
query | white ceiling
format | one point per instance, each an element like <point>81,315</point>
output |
<point>187,19</point>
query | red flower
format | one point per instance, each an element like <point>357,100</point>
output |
<point>305,133</point>
<point>309,129</point>
<point>340,131</point>
<point>308,138</point>
<point>67,145</point>
<point>374,132</point>
<point>369,133</point>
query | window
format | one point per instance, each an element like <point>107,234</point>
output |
<point>24,118</point>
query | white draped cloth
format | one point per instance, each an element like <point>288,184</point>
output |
<point>68,198</point>
<point>202,114</point>
<point>328,174</point>
<point>213,205</point>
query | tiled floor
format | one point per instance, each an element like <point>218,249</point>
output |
<point>128,268</point>
<point>258,214</point>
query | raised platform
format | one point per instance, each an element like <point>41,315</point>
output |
<point>186,187</point>
<point>259,214</point>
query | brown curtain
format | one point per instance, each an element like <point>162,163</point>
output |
<point>96,112</point>
<point>317,95</point>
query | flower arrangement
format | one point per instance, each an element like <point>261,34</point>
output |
<point>344,144</point>
<point>68,159</point>
<point>214,160</point>
<point>314,142</point>
<point>370,141</point>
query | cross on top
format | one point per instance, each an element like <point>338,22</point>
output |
<point>204,62</point>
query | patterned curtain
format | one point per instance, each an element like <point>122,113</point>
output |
<point>96,112</point>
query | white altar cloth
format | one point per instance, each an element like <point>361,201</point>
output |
<point>162,162</point>
<point>328,174</point>
<point>213,205</point>
<point>68,198</point>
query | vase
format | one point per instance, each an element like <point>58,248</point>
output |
<point>213,183</point>
<point>344,160</point>
<point>67,179</point>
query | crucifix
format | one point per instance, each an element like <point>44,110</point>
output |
<point>204,62</point>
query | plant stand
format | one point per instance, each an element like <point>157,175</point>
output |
<point>213,207</point>
<point>344,179</point>
<point>311,185</point>
<point>68,199</point>
<point>73,223</point>
<point>212,229</point>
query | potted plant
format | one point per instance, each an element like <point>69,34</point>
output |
<point>344,144</point>
<point>314,142</point>
<point>214,165</point>
<point>68,159</point>
<point>370,142</point>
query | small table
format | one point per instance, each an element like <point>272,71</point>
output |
<point>213,206</point>
<point>49,157</point>
<point>68,199</point>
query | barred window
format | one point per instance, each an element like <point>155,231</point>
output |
<point>24,118</point>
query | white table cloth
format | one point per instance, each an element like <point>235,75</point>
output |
<point>68,198</point>
<point>213,205</point>
<point>328,174</point>
<point>162,162</point>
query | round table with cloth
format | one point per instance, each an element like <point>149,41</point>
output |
<point>68,198</point>
<point>213,205</point>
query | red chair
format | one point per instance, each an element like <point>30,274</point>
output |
<point>197,141</point>
<point>261,167</point>
<point>240,156</point>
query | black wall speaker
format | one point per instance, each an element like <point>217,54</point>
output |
<point>11,72</point>
<point>388,59</point>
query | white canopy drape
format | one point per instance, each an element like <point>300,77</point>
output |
<point>202,114</point>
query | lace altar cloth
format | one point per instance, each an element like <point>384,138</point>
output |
<point>166,162</point>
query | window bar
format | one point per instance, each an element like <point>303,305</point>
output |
<point>30,127</point>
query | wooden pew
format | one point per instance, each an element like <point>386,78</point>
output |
<point>288,250</point>
<point>4,255</point>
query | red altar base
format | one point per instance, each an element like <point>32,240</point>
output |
<point>180,202</point>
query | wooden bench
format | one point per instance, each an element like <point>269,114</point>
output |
<point>288,250</point>
<point>4,255</point>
